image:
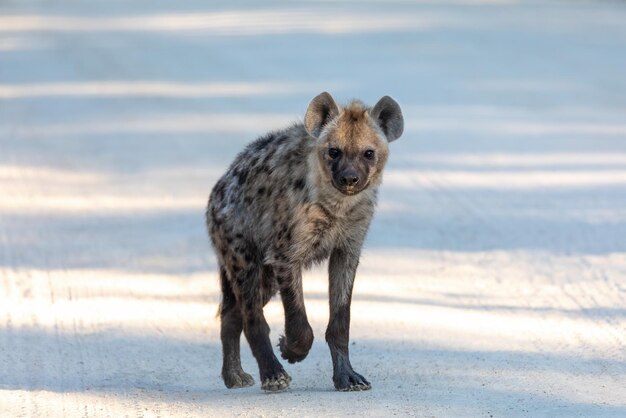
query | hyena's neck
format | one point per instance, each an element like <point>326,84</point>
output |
<point>322,192</point>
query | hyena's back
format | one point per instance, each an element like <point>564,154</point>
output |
<point>253,205</point>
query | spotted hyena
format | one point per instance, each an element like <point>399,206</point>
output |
<point>290,199</point>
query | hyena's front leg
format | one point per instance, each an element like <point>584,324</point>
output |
<point>342,269</point>
<point>298,339</point>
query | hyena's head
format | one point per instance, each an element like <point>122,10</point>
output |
<point>352,142</point>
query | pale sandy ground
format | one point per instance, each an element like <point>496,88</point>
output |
<point>494,279</point>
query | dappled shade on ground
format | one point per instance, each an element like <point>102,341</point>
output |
<point>493,276</point>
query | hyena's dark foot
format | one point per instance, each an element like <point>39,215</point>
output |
<point>349,380</point>
<point>237,378</point>
<point>294,352</point>
<point>275,382</point>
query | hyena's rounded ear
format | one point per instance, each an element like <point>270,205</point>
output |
<point>388,116</point>
<point>322,110</point>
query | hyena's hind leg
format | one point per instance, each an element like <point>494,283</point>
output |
<point>231,328</point>
<point>257,331</point>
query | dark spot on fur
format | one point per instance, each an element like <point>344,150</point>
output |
<point>243,175</point>
<point>247,200</point>
<point>261,191</point>
<point>281,139</point>
<point>299,152</point>
<point>239,235</point>
<point>218,191</point>
<point>268,156</point>
<point>261,143</point>
<point>299,184</point>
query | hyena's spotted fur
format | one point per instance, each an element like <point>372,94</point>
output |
<point>292,198</point>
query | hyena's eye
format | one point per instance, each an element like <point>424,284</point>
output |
<point>333,153</point>
<point>369,154</point>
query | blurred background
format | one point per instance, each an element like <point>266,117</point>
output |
<point>493,282</point>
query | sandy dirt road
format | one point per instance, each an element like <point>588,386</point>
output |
<point>494,277</point>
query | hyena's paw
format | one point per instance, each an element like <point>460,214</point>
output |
<point>276,382</point>
<point>294,352</point>
<point>234,379</point>
<point>349,380</point>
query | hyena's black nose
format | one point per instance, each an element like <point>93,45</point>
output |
<point>349,180</point>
